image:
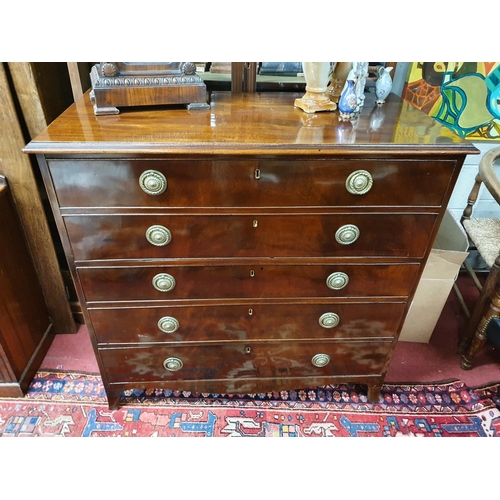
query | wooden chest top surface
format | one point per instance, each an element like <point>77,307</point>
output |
<point>252,123</point>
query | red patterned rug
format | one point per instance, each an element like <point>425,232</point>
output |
<point>74,405</point>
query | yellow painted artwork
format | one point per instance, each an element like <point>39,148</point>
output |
<point>463,96</point>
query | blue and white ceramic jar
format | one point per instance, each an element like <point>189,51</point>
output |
<point>348,100</point>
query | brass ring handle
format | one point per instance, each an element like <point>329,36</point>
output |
<point>164,282</point>
<point>348,234</point>
<point>158,235</point>
<point>168,324</point>
<point>329,320</point>
<point>173,364</point>
<point>359,182</point>
<point>153,182</point>
<point>320,360</point>
<point>337,281</point>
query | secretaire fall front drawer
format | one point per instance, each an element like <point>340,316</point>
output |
<point>95,237</point>
<point>135,283</point>
<point>249,183</point>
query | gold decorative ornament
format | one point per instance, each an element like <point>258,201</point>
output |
<point>348,234</point>
<point>158,236</point>
<point>329,320</point>
<point>173,364</point>
<point>320,360</point>
<point>359,182</point>
<point>153,182</point>
<point>168,324</point>
<point>164,282</point>
<point>337,281</point>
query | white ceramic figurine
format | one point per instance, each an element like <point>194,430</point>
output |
<point>361,71</point>
<point>383,85</point>
<point>358,75</point>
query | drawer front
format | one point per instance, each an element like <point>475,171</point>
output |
<point>257,183</point>
<point>245,322</point>
<point>250,281</point>
<point>211,236</point>
<point>234,361</point>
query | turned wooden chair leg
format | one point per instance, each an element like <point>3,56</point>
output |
<point>476,315</point>
<point>479,337</point>
<point>479,309</point>
<point>471,201</point>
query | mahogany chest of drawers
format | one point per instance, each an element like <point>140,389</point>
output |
<point>249,247</point>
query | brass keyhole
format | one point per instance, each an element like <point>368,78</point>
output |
<point>257,173</point>
<point>248,350</point>
<point>252,273</point>
<point>255,223</point>
<point>250,312</point>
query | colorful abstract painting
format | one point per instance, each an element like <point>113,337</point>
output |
<point>463,96</point>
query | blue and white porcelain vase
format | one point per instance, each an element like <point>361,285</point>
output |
<point>348,100</point>
<point>383,85</point>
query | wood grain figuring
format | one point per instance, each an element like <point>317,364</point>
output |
<point>76,83</point>
<point>233,183</point>
<point>235,361</point>
<point>203,236</point>
<point>27,93</point>
<point>42,90</point>
<point>19,172</point>
<point>249,123</point>
<point>24,320</point>
<point>247,322</point>
<point>254,195</point>
<point>79,75</point>
<point>234,281</point>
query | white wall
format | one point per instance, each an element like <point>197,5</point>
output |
<point>486,206</point>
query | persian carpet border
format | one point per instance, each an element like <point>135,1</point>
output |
<point>440,397</point>
<point>62,403</point>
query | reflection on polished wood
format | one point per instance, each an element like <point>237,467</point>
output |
<point>222,184</point>
<point>230,281</point>
<point>245,123</point>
